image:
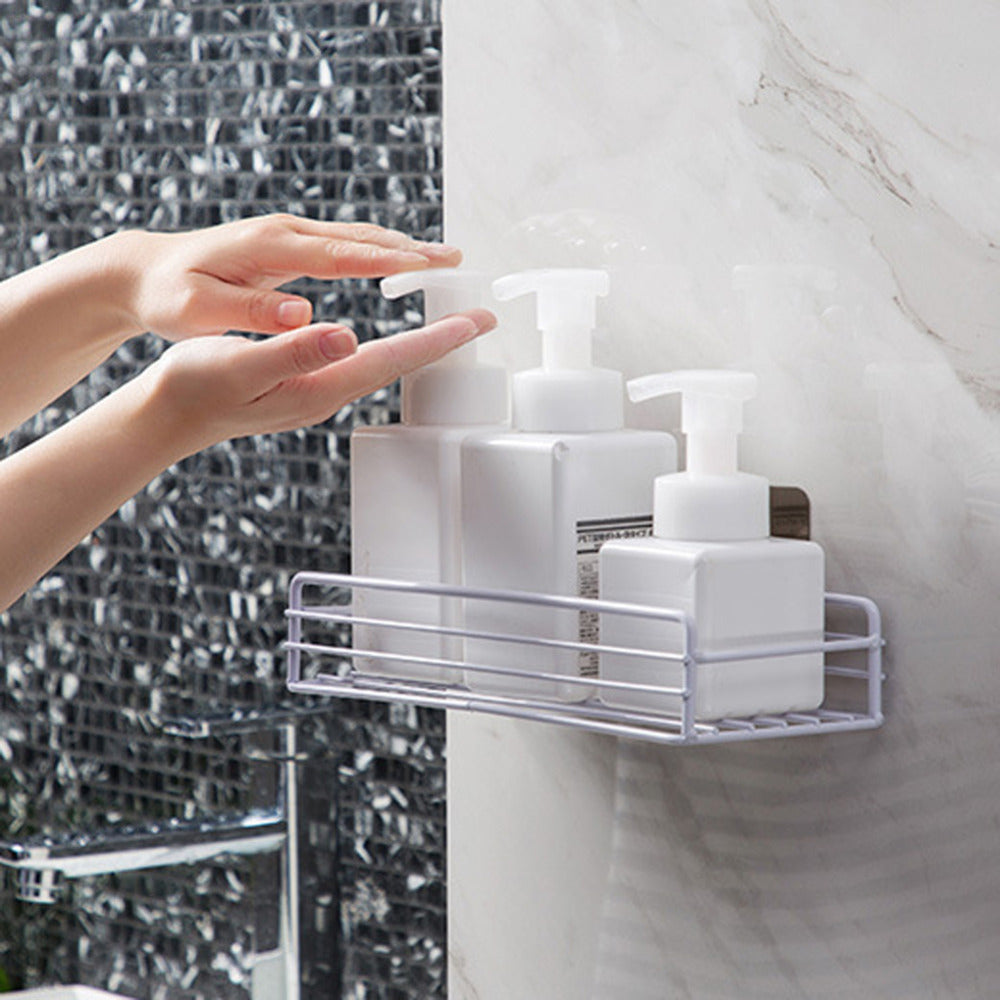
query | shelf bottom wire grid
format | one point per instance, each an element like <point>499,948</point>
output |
<point>398,641</point>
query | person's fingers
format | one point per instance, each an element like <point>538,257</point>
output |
<point>299,387</point>
<point>214,305</point>
<point>297,353</point>
<point>366,232</point>
<point>286,246</point>
<point>313,397</point>
<point>379,362</point>
<point>319,257</point>
<point>347,259</point>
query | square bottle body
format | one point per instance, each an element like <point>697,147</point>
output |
<point>740,595</point>
<point>535,510</point>
<point>405,525</point>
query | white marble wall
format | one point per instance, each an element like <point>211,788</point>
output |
<point>850,152</point>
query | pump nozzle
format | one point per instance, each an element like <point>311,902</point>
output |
<point>567,310</point>
<point>711,412</point>
<point>456,389</point>
<point>567,393</point>
<point>446,291</point>
<point>711,500</point>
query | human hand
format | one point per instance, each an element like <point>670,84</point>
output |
<point>223,278</point>
<point>210,389</point>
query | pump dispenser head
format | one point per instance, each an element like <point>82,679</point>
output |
<point>566,393</point>
<point>711,500</point>
<point>456,390</point>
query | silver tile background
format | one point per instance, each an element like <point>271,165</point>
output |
<point>131,113</point>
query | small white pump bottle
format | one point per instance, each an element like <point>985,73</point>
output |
<point>710,556</point>
<point>538,501</point>
<point>406,486</point>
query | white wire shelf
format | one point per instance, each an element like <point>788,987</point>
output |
<point>324,660</point>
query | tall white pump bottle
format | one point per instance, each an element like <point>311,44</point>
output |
<point>406,487</point>
<point>538,501</point>
<point>710,556</point>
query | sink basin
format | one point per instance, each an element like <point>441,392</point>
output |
<point>64,993</point>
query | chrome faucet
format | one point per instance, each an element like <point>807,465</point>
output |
<point>41,864</point>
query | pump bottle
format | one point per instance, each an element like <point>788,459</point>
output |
<point>710,556</point>
<point>405,488</point>
<point>539,500</point>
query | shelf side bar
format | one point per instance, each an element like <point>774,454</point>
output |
<point>346,581</point>
<point>294,671</point>
<point>347,618</point>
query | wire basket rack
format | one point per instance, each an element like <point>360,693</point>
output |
<point>399,641</point>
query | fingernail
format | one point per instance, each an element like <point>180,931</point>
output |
<point>439,250</point>
<point>294,312</point>
<point>470,324</point>
<point>337,344</point>
<point>410,261</point>
<point>483,319</point>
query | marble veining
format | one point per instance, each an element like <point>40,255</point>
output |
<point>843,158</point>
<point>868,151</point>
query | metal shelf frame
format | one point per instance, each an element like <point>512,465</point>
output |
<point>322,661</point>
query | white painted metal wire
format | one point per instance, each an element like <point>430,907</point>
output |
<point>322,661</point>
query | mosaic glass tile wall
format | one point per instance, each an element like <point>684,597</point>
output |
<point>127,113</point>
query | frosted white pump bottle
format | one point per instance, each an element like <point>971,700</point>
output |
<point>710,556</point>
<point>538,501</point>
<point>406,487</point>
